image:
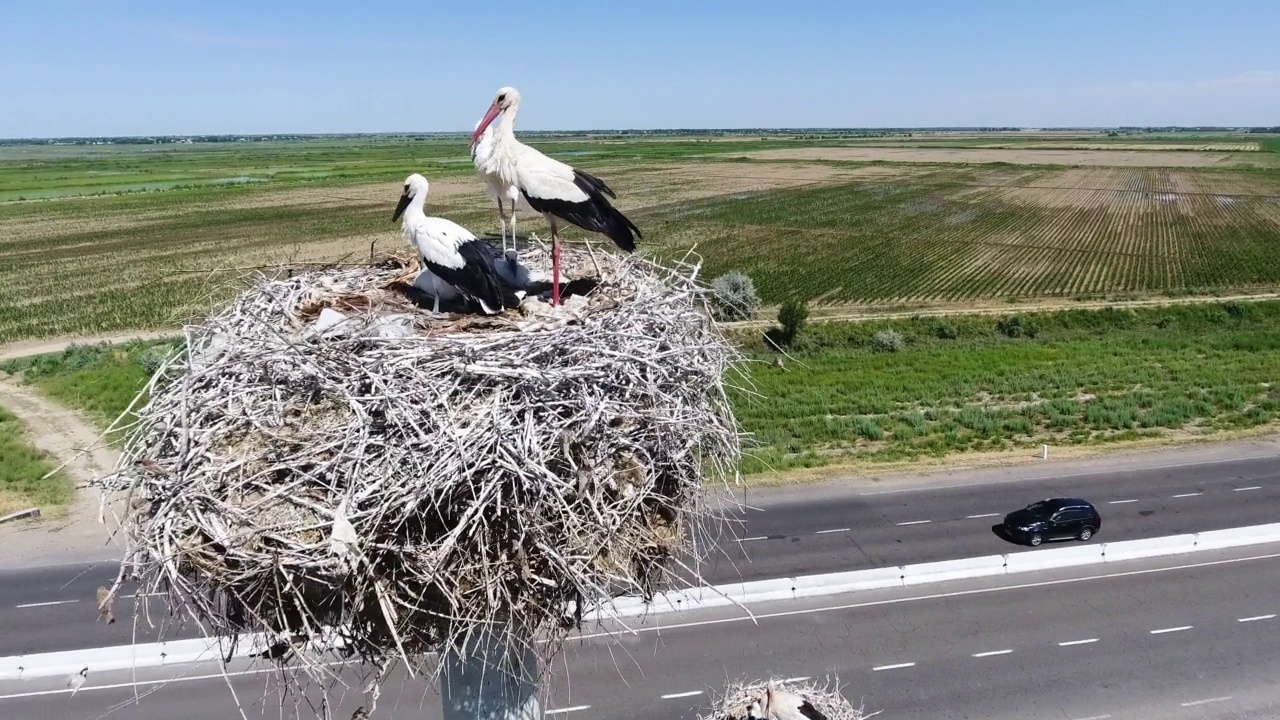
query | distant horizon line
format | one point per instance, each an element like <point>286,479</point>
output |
<point>1250,129</point>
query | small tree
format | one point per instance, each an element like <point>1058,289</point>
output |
<point>792,316</point>
<point>734,296</point>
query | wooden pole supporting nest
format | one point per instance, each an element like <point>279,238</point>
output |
<point>325,458</point>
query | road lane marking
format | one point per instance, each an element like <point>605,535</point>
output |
<point>1244,489</point>
<point>802,678</point>
<point>1172,629</point>
<point>752,539</point>
<point>672,696</point>
<point>139,683</point>
<point>824,532</point>
<point>1206,701</point>
<point>992,653</point>
<point>1257,617</point>
<point>46,604</point>
<point>1096,717</point>
<point>1188,494</point>
<point>975,517</point>
<point>913,522</point>
<point>755,617</point>
<point>1121,502</point>
<point>898,666</point>
<point>1069,643</point>
<point>572,708</point>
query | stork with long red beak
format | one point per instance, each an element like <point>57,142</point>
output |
<point>481,150</point>
<point>556,190</point>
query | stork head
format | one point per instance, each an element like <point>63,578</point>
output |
<point>415,186</point>
<point>505,99</point>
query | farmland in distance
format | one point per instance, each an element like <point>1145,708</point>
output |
<point>862,233</point>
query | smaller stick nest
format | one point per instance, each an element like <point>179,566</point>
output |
<point>826,698</point>
<point>325,454</point>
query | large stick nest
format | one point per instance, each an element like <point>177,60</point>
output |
<point>408,477</point>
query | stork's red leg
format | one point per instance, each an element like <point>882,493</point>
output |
<point>555,271</point>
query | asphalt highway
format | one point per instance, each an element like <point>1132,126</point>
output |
<point>1171,638</point>
<point>53,608</point>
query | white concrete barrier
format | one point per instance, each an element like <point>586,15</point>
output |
<point>1148,547</point>
<point>1237,537</point>
<point>855,581</point>
<point>974,567</point>
<point>1053,558</point>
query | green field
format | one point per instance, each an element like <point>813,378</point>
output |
<point>964,384</point>
<point>837,231</point>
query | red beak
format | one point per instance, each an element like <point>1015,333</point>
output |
<point>488,118</point>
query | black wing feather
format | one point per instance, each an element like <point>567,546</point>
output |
<point>595,213</point>
<point>477,276</point>
<point>808,710</point>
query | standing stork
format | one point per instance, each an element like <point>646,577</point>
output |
<point>556,190</point>
<point>451,252</point>
<point>481,151</point>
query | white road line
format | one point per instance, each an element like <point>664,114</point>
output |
<point>1244,489</point>
<point>1096,717</point>
<point>1206,701</point>
<point>1255,618</point>
<point>893,667</point>
<point>824,532</point>
<point>802,678</point>
<point>1120,502</point>
<point>975,517</point>
<point>1172,629</point>
<point>913,522</point>
<point>572,708</point>
<point>750,539</point>
<point>1189,494</point>
<point>1069,643</point>
<point>46,604</point>
<point>932,596</point>
<point>139,683</point>
<point>691,693</point>
<point>991,653</point>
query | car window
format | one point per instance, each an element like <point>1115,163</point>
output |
<point>1041,508</point>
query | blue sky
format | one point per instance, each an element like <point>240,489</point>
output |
<point>134,67</point>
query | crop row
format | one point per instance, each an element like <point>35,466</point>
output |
<point>895,242</point>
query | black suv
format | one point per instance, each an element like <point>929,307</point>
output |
<point>1053,519</point>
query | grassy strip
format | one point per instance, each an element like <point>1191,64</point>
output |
<point>98,380</point>
<point>23,469</point>
<point>956,385</point>
<point>988,384</point>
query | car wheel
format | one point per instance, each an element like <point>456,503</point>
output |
<point>1035,539</point>
<point>1086,533</point>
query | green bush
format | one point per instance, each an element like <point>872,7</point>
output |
<point>944,330</point>
<point>1017,326</point>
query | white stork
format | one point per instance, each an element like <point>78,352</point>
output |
<point>481,150</point>
<point>451,252</point>
<point>556,190</point>
<point>783,705</point>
